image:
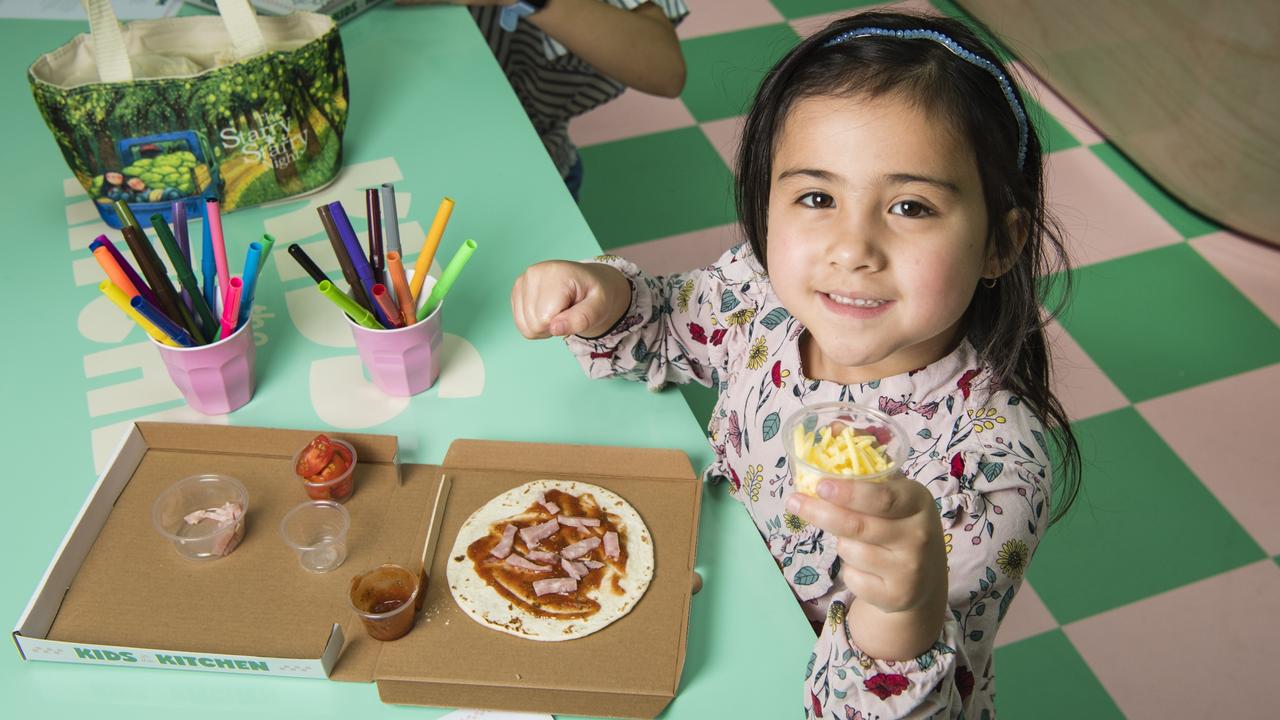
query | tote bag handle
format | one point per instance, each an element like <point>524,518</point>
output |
<point>113,58</point>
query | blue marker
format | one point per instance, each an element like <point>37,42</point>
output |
<point>252,265</point>
<point>162,321</point>
<point>208,265</point>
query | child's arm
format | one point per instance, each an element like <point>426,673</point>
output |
<point>888,648</point>
<point>638,47</point>
<point>621,322</point>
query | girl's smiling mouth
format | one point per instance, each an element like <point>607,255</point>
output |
<point>854,305</point>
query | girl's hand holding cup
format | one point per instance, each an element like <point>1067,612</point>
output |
<point>558,298</point>
<point>886,526</point>
<point>893,559</point>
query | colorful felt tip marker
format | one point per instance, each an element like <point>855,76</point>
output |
<point>447,278</point>
<point>136,280</point>
<point>390,219</point>
<point>308,265</point>
<point>395,268</point>
<point>186,278</point>
<point>208,265</point>
<point>162,321</point>
<point>252,263</point>
<point>268,242</point>
<point>178,211</point>
<point>121,300</point>
<point>219,244</point>
<point>231,307</point>
<point>373,209</point>
<point>358,315</point>
<point>115,274</point>
<point>429,245</point>
<point>388,306</point>
<point>364,272</point>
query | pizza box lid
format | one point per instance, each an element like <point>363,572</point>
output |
<point>117,593</point>
<point>630,668</point>
<point>257,608</point>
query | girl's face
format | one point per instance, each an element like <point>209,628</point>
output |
<point>877,235</point>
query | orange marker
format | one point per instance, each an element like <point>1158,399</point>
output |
<point>429,246</point>
<point>113,270</point>
<point>400,282</point>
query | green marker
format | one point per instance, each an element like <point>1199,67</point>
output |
<point>125,213</point>
<point>359,315</point>
<point>447,277</point>
<point>185,276</point>
<point>268,242</point>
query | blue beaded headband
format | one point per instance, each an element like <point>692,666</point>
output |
<point>1005,85</point>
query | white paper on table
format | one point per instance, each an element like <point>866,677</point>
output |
<point>73,10</point>
<point>494,715</point>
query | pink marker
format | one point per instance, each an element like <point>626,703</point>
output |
<point>219,245</point>
<point>231,307</point>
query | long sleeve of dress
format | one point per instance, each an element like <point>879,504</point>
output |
<point>992,499</point>
<point>679,328</point>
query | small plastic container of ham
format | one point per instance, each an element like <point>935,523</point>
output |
<point>339,488</point>
<point>203,515</point>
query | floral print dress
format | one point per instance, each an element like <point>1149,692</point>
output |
<point>977,448</point>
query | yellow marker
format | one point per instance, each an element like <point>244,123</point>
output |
<point>846,454</point>
<point>429,245</point>
<point>121,300</point>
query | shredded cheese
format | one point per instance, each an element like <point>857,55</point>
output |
<point>842,454</point>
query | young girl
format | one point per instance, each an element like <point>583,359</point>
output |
<point>891,191</point>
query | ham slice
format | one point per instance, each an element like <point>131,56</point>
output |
<point>611,550</point>
<point>536,534</point>
<point>592,564</point>
<point>579,521</point>
<point>515,560</point>
<point>578,549</point>
<point>576,570</point>
<point>542,556</point>
<point>503,548</point>
<point>554,585</point>
<point>550,506</point>
<point>228,513</point>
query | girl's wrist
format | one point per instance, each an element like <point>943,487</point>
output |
<point>896,636</point>
<point>617,290</point>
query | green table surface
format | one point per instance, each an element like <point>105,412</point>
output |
<point>431,111</point>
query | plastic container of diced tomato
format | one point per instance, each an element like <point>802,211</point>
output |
<point>339,487</point>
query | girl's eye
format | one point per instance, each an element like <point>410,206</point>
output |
<point>817,200</point>
<point>910,208</point>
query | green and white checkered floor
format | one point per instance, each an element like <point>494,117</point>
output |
<point>1158,595</point>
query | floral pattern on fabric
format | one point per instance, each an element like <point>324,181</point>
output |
<point>976,447</point>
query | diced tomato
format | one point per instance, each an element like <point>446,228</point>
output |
<point>318,453</point>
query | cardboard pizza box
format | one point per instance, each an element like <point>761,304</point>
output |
<point>117,593</point>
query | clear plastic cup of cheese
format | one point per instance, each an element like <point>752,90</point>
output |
<point>202,515</point>
<point>844,441</point>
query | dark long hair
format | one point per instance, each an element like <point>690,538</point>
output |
<point>1004,323</point>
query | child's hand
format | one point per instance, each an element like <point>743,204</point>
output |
<point>569,298</point>
<point>892,557</point>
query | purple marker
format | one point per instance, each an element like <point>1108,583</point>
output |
<point>143,289</point>
<point>363,270</point>
<point>184,244</point>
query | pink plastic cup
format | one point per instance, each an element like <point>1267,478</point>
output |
<point>216,378</point>
<point>404,361</point>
